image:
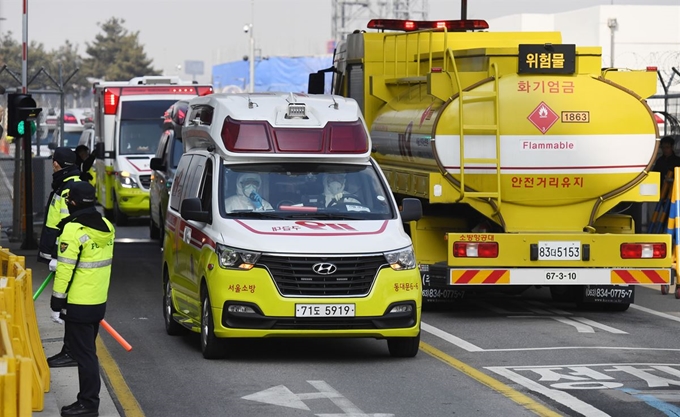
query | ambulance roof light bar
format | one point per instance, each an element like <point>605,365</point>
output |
<point>413,25</point>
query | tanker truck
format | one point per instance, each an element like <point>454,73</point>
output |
<point>524,152</point>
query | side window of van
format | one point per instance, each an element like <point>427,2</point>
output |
<point>178,184</point>
<point>160,152</point>
<point>207,186</point>
<point>193,181</point>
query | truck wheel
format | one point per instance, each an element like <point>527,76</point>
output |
<point>171,326</point>
<point>403,347</point>
<point>121,218</point>
<point>154,231</point>
<point>211,346</point>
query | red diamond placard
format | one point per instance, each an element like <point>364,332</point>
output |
<point>543,117</point>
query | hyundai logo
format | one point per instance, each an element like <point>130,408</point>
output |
<point>324,268</point>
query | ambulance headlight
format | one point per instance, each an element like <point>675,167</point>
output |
<point>401,259</point>
<point>229,258</point>
<point>126,180</point>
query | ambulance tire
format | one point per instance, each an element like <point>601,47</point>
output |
<point>403,347</point>
<point>121,218</point>
<point>154,231</point>
<point>211,346</point>
<point>171,326</point>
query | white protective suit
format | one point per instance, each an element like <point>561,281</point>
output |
<point>334,190</point>
<point>247,198</point>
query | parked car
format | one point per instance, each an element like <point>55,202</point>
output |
<point>163,165</point>
<point>74,125</point>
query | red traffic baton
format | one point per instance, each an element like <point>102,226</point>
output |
<point>115,335</point>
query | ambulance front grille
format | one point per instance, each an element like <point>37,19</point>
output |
<point>145,180</point>
<point>295,276</point>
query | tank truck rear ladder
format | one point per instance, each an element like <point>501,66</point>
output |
<point>467,97</point>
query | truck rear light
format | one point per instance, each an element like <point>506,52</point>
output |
<point>475,249</point>
<point>111,97</point>
<point>643,250</point>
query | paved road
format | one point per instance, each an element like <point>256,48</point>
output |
<point>500,356</point>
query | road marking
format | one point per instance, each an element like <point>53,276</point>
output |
<point>652,401</point>
<point>656,313</point>
<point>280,395</point>
<point>582,347</point>
<point>580,327</point>
<point>450,338</point>
<point>120,388</point>
<point>599,325</point>
<point>555,395</point>
<point>489,381</point>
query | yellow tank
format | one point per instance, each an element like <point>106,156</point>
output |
<point>534,143</point>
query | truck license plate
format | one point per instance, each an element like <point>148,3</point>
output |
<point>559,251</point>
<point>324,310</point>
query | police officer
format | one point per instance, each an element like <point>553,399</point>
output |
<point>80,289</point>
<point>65,173</point>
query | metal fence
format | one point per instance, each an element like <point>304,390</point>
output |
<point>11,188</point>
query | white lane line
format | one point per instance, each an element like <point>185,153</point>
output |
<point>450,338</point>
<point>580,327</point>
<point>556,395</point>
<point>656,313</point>
<point>583,348</point>
<point>599,325</point>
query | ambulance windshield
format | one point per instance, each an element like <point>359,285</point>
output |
<point>141,126</point>
<point>304,191</point>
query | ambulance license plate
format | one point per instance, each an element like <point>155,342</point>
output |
<point>324,310</point>
<point>559,251</point>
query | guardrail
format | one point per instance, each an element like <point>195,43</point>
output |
<point>24,374</point>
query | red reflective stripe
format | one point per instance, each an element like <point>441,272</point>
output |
<point>466,277</point>
<point>494,276</point>
<point>654,276</point>
<point>627,277</point>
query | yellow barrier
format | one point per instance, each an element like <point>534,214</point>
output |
<point>26,374</point>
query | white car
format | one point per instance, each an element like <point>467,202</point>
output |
<point>74,125</point>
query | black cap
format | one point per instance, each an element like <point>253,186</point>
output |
<point>64,157</point>
<point>82,193</point>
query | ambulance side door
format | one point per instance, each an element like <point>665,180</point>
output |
<point>188,234</point>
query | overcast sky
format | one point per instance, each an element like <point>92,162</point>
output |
<point>211,31</point>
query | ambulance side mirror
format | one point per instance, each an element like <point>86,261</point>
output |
<point>411,209</point>
<point>192,209</point>
<point>157,164</point>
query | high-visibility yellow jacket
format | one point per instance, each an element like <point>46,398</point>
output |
<point>57,210</point>
<point>84,263</point>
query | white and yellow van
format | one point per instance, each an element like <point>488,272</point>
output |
<point>280,224</point>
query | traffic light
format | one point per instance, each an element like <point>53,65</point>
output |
<point>20,108</point>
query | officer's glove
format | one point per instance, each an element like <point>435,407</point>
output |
<point>55,317</point>
<point>57,304</point>
<point>53,265</point>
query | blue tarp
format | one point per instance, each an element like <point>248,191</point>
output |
<point>287,74</point>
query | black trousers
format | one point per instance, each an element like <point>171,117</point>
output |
<point>80,338</point>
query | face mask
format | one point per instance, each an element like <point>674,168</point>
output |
<point>249,189</point>
<point>335,187</point>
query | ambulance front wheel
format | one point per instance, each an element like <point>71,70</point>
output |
<point>211,346</point>
<point>403,347</point>
<point>121,218</point>
<point>171,326</point>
